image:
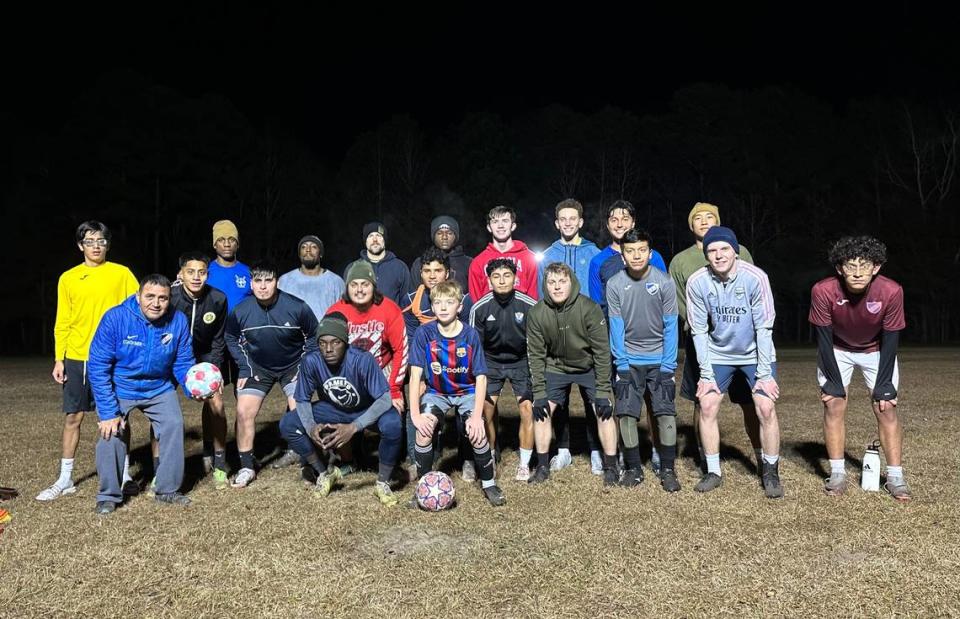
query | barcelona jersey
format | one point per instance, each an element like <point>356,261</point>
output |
<point>450,364</point>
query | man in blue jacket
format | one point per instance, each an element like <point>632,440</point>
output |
<point>141,349</point>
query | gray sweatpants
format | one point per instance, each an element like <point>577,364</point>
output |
<point>165,415</point>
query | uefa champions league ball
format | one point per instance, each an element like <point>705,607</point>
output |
<point>203,379</point>
<point>435,491</point>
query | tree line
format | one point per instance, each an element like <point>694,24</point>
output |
<point>789,172</point>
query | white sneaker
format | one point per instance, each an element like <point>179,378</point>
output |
<point>207,464</point>
<point>561,461</point>
<point>55,492</point>
<point>244,478</point>
<point>523,473</point>
<point>596,463</point>
<point>468,472</point>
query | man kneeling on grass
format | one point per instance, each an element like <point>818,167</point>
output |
<point>448,356</point>
<point>139,347</point>
<point>353,395</point>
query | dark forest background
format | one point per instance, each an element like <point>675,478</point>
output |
<point>789,172</point>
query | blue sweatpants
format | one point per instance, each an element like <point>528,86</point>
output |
<point>389,426</point>
<point>165,415</point>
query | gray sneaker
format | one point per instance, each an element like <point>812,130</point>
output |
<point>710,481</point>
<point>105,508</point>
<point>898,489</point>
<point>836,484</point>
<point>172,498</point>
<point>669,481</point>
<point>772,487</point>
<point>289,458</point>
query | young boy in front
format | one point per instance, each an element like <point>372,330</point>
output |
<point>447,355</point>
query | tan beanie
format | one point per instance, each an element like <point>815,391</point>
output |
<point>701,207</point>
<point>224,229</point>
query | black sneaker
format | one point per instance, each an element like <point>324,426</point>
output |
<point>669,481</point>
<point>540,475</point>
<point>105,508</point>
<point>130,488</point>
<point>611,476</point>
<point>631,478</point>
<point>771,480</point>
<point>710,481</point>
<point>172,498</point>
<point>495,496</point>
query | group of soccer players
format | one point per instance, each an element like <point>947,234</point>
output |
<point>397,350</point>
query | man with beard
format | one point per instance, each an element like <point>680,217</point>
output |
<point>318,287</point>
<point>393,277</point>
<point>445,233</point>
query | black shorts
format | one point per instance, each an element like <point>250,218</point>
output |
<point>518,375</point>
<point>263,380</point>
<point>558,386</point>
<point>228,369</point>
<point>644,379</point>
<point>77,396</point>
<point>739,390</point>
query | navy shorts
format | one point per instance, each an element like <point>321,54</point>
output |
<point>739,388</point>
<point>77,396</point>
<point>644,379</point>
<point>518,375</point>
<point>263,380</point>
<point>724,375</point>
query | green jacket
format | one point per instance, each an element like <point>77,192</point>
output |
<point>685,264</point>
<point>569,338</point>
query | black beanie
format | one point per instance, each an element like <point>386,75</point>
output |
<point>374,226</point>
<point>441,221</point>
<point>334,324</point>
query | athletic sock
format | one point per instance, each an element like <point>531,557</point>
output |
<point>316,463</point>
<point>207,449</point>
<point>894,472</point>
<point>488,483</point>
<point>631,456</point>
<point>838,467</point>
<point>126,469</point>
<point>610,462</point>
<point>246,459</point>
<point>220,460</point>
<point>483,458</point>
<point>66,473</point>
<point>770,459</point>
<point>525,456</point>
<point>384,472</point>
<point>758,453</point>
<point>669,457</point>
<point>424,457</point>
<point>713,463</point>
<point>543,459</point>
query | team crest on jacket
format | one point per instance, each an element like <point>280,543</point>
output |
<point>739,292</point>
<point>209,317</point>
<point>518,317</point>
<point>342,392</point>
<point>653,288</point>
<point>874,307</point>
<point>166,338</point>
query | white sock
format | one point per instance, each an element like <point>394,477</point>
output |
<point>126,469</point>
<point>713,463</point>
<point>770,459</point>
<point>838,467</point>
<point>894,472</point>
<point>654,456</point>
<point>66,473</point>
<point>525,455</point>
<point>487,483</point>
<point>563,452</point>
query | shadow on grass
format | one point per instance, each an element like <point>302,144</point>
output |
<point>814,453</point>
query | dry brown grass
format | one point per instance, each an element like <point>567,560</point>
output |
<point>566,549</point>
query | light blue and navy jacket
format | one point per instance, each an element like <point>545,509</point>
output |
<point>643,320</point>
<point>575,255</point>
<point>132,358</point>
<point>272,338</point>
<point>732,321</point>
<point>605,265</point>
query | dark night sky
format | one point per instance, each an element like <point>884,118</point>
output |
<point>329,75</point>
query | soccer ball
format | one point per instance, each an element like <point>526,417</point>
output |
<point>203,379</point>
<point>435,491</point>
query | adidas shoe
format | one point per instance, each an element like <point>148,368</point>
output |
<point>561,461</point>
<point>56,491</point>
<point>326,481</point>
<point>494,496</point>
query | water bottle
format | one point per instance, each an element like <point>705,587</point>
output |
<point>870,473</point>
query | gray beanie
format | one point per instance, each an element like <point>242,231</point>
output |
<point>444,221</point>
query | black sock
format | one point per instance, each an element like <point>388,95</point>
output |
<point>424,457</point>
<point>543,460</point>
<point>631,457</point>
<point>208,449</point>
<point>609,462</point>
<point>668,456</point>
<point>315,463</point>
<point>484,461</point>
<point>220,460</point>
<point>246,459</point>
<point>386,470</point>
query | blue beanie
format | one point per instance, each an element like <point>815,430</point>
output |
<point>720,233</point>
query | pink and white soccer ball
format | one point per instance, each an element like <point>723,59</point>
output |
<point>203,379</point>
<point>435,491</point>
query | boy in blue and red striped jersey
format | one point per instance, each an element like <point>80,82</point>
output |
<point>447,356</point>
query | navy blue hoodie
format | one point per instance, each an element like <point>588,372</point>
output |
<point>273,338</point>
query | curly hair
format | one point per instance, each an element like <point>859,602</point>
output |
<point>864,247</point>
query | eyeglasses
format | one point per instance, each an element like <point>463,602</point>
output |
<point>95,242</point>
<point>856,269</point>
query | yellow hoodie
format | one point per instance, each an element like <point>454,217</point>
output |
<point>84,294</point>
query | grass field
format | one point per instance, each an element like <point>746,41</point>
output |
<point>565,549</point>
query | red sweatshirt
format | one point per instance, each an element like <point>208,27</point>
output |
<point>381,332</point>
<point>526,263</point>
